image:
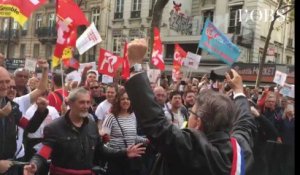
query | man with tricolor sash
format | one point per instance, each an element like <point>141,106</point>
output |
<point>220,135</point>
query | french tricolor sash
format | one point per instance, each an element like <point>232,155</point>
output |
<point>238,163</point>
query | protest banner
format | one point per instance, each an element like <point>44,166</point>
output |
<point>30,64</point>
<point>280,78</point>
<point>192,60</point>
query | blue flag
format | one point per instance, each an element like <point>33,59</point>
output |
<point>217,44</point>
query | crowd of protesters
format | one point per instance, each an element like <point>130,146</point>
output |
<point>66,125</point>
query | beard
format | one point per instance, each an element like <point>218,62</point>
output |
<point>83,114</point>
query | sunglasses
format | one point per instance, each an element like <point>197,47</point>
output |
<point>95,87</point>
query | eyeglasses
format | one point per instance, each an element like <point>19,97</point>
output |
<point>95,87</point>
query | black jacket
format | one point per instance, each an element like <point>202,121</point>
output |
<point>74,148</point>
<point>8,129</point>
<point>189,151</point>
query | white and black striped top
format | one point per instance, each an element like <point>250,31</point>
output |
<point>110,126</point>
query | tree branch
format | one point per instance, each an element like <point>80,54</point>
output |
<point>286,12</point>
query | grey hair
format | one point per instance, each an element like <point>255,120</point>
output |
<point>20,70</point>
<point>74,93</point>
<point>217,111</point>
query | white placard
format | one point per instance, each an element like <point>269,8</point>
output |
<point>280,78</point>
<point>88,39</point>
<point>94,68</point>
<point>30,64</point>
<point>288,90</point>
<point>107,79</point>
<point>153,75</point>
<point>192,60</point>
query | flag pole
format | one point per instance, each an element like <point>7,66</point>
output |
<point>62,81</point>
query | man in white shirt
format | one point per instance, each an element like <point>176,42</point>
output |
<point>104,107</point>
<point>174,114</point>
<point>36,137</point>
<point>25,101</point>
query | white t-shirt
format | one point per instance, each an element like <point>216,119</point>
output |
<point>103,109</point>
<point>53,114</point>
<point>24,103</point>
<point>178,118</point>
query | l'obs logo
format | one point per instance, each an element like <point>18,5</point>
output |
<point>265,15</point>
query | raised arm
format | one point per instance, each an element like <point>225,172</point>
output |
<point>43,84</point>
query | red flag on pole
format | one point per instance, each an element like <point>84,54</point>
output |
<point>108,63</point>
<point>179,56</point>
<point>157,53</point>
<point>126,69</point>
<point>20,10</point>
<point>69,17</point>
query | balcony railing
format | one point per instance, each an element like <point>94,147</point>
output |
<point>118,15</point>
<point>14,35</point>
<point>46,34</point>
<point>135,14</point>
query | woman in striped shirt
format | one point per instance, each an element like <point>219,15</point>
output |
<point>120,125</point>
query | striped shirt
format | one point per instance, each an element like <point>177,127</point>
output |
<point>110,126</point>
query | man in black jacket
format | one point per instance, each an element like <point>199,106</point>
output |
<point>221,135</point>
<point>10,118</point>
<point>73,141</point>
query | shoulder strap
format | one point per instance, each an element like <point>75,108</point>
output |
<point>124,140</point>
<point>171,113</point>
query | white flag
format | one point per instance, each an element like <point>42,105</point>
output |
<point>153,75</point>
<point>88,39</point>
<point>192,60</point>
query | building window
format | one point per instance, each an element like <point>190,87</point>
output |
<point>119,9</point>
<point>207,14</point>
<point>117,45</point>
<point>15,25</point>
<point>151,6</point>
<point>277,58</point>
<point>48,53</point>
<point>96,16</point>
<point>38,21</point>
<point>289,60</point>
<point>25,26</point>
<point>290,42</point>
<point>5,24</point>
<point>136,9</point>
<point>22,50</point>
<point>36,50</point>
<point>51,20</point>
<point>234,20</point>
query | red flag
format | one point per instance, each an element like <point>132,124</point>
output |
<point>126,69</point>
<point>69,17</point>
<point>157,53</point>
<point>68,9</point>
<point>73,62</point>
<point>108,63</point>
<point>20,10</point>
<point>179,56</point>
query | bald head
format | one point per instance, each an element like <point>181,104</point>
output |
<point>160,95</point>
<point>4,82</point>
